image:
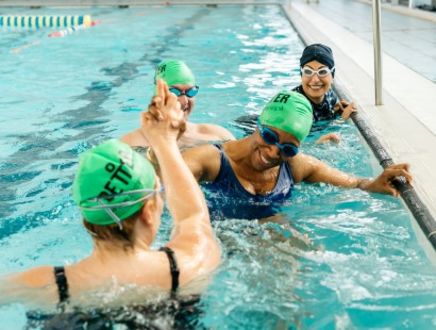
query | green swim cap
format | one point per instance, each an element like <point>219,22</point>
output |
<point>111,168</point>
<point>290,112</point>
<point>174,72</point>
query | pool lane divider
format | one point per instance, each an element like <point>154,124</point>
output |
<point>57,34</point>
<point>70,30</point>
<point>419,210</point>
<point>44,21</point>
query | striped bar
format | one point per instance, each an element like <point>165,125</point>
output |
<point>44,21</point>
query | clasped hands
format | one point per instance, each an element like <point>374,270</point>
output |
<point>164,119</point>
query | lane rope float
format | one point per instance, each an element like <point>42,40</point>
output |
<point>44,21</point>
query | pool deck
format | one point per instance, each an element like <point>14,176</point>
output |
<point>406,122</point>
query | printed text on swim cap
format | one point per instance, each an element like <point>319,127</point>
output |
<point>118,175</point>
<point>281,98</point>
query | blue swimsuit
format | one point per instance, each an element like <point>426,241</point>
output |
<point>228,199</point>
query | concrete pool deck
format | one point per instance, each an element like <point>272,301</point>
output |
<point>406,122</point>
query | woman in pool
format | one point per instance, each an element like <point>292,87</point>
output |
<point>317,68</point>
<point>118,193</point>
<point>181,82</point>
<point>250,178</point>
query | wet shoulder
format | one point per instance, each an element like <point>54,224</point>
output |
<point>210,132</point>
<point>204,161</point>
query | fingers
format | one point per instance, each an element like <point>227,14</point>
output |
<point>404,166</point>
<point>154,107</point>
<point>333,137</point>
<point>172,101</point>
<point>399,172</point>
<point>162,101</point>
<point>164,98</point>
<point>346,113</point>
<point>347,108</point>
<point>392,191</point>
<point>393,172</point>
<point>161,92</point>
<point>344,103</point>
<point>147,118</point>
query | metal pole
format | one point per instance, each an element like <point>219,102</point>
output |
<point>410,3</point>
<point>376,27</point>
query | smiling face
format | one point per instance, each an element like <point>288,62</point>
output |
<point>266,156</point>
<point>316,87</point>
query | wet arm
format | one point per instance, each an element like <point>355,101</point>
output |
<point>310,169</point>
<point>34,286</point>
<point>203,162</point>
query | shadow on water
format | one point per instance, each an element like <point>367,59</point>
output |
<point>89,122</point>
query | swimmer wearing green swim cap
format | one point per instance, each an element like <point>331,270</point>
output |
<point>112,169</point>
<point>290,112</point>
<point>119,196</point>
<point>257,174</point>
<point>182,83</point>
<point>174,72</point>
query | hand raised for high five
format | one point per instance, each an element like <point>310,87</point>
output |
<point>164,119</point>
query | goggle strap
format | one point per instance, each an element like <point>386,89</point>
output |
<point>111,214</point>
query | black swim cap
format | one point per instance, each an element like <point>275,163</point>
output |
<point>318,52</point>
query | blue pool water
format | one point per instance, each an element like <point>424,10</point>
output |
<point>59,96</point>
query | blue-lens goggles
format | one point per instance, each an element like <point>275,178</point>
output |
<point>190,92</point>
<point>271,137</point>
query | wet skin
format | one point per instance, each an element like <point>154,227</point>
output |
<point>266,156</point>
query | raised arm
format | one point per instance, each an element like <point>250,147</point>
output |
<point>310,169</point>
<point>161,125</point>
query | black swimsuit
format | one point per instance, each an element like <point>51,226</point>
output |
<point>62,283</point>
<point>181,312</point>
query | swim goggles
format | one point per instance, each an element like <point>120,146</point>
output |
<point>103,204</point>
<point>272,138</point>
<point>321,72</point>
<point>190,92</point>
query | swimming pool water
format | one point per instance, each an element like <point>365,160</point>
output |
<point>59,96</point>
